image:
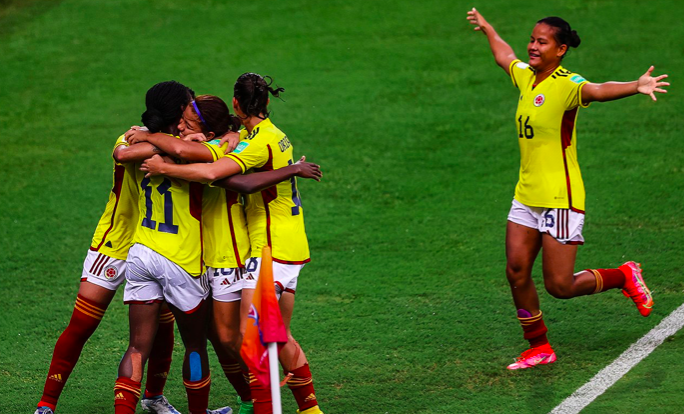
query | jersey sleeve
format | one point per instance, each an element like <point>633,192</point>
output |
<point>119,142</point>
<point>216,150</point>
<point>249,154</point>
<point>521,74</point>
<point>572,86</point>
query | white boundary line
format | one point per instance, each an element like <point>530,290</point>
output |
<point>613,372</point>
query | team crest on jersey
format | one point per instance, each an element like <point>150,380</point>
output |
<point>539,100</point>
<point>111,272</point>
<point>241,147</point>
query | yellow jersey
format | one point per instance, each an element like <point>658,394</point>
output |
<point>545,121</point>
<point>170,221</point>
<point>275,216</point>
<point>114,233</point>
<point>226,240</point>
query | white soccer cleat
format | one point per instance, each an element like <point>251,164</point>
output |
<point>44,410</point>
<point>223,410</point>
<point>158,405</point>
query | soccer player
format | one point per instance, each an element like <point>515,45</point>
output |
<point>105,266</point>
<point>275,217</point>
<point>548,209</point>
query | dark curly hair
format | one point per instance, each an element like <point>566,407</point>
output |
<point>251,92</point>
<point>165,103</point>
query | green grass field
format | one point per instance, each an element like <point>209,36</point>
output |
<point>405,307</point>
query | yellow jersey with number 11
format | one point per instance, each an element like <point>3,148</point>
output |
<point>545,120</point>
<point>170,221</point>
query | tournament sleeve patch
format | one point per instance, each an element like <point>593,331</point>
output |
<point>241,147</point>
<point>522,65</point>
<point>577,79</point>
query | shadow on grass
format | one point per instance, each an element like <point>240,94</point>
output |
<point>15,13</point>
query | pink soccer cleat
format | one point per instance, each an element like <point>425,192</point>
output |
<point>636,289</point>
<point>534,356</point>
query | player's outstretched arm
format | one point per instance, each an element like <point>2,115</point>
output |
<point>186,150</point>
<point>199,172</point>
<point>503,53</point>
<point>610,91</point>
<point>255,182</point>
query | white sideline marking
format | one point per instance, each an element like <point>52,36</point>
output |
<point>613,372</point>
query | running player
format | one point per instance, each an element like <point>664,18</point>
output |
<point>548,209</point>
<point>105,266</point>
<point>275,217</point>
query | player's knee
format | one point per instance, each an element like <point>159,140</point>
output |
<point>559,290</point>
<point>517,273</point>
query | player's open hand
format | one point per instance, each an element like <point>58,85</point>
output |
<point>133,136</point>
<point>308,169</point>
<point>476,19</point>
<point>232,139</point>
<point>647,84</point>
<point>196,137</point>
<point>153,166</point>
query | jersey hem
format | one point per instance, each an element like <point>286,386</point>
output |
<point>292,262</point>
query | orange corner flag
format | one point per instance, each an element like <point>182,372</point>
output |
<point>267,325</point>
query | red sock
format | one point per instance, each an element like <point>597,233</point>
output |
<point>301,385</point>
<point>84,320</point>
<point>159,363</point>
<point>608,279</point>
<point>261,396</point>
<point>126,395</point>
<point>198,394</point>
<point>534,329</point>
<point>237,379</point>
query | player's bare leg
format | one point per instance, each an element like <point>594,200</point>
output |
<point>143,320</point>
<point>560,278</point>
<point>522,247</point>
<point>226,338</point>
<point>91,303</point>
<point>193,329</point>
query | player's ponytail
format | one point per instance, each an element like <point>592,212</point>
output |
<point>251,91</point>
<point>165,103</point>
<point>563,33</point>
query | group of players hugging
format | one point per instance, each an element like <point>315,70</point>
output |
<point>197,194</point>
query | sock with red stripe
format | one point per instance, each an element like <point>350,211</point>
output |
<point>126,395</point>
<point>534,329</point>
<point>237,378</point>
<point>198,394</point>
<point>261,396</point>
<point>84,321</point>
<point>301,385</point>
<point>159,362</point>
<point>608,279</point>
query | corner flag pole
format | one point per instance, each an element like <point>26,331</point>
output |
<point>275,382</point>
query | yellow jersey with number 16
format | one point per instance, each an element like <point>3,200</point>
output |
<point>275,216</point>
<point>545,120</point>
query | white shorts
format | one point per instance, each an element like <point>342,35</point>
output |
<point>104,271</point>
<point>152,277</point>
<point>284,275</point>
<point>562,224</point>
<point>226,283</point>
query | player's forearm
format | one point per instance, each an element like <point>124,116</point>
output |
<point>503,53</point>
<point>255,182</point>
<point>134,153</point>
<point>609,91</point>
<point>202,173</point>
<point>177,148</point>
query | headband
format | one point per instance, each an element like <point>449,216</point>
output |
<point>194,105</point>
